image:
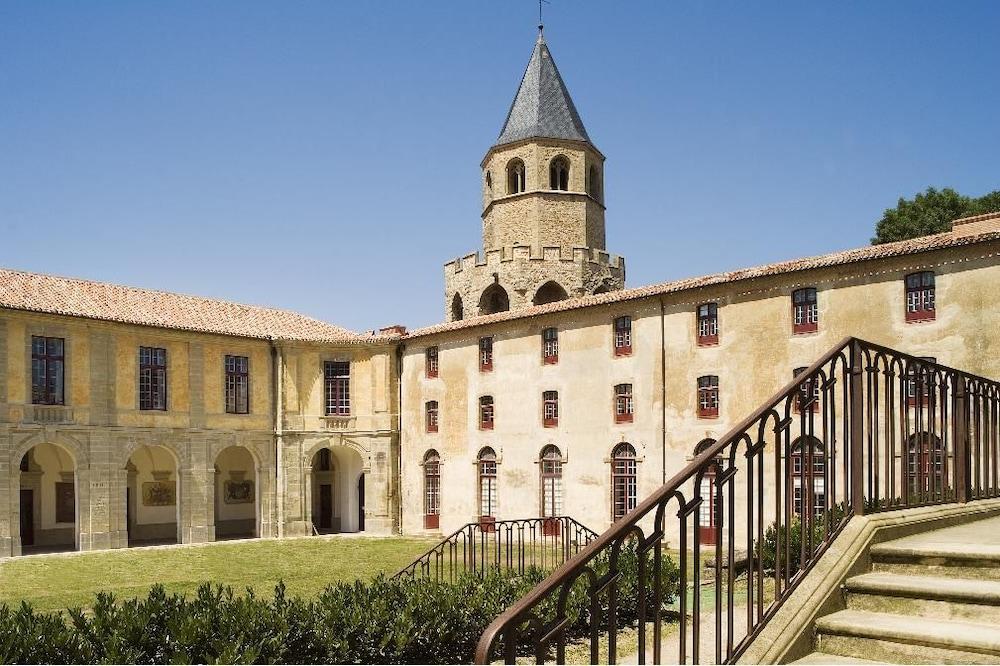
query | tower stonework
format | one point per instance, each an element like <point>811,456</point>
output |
<point>543,207</point>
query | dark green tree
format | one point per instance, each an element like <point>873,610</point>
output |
<point>930,212</point>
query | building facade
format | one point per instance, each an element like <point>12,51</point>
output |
<point>131,416</point>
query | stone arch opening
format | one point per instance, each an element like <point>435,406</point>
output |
<point>493,300</point>
<point>550,292</point>
<point>337,487</point>
<point>457,311</point>
<point>47,506</point>
<point>594,183</point>
<point>516,182</point>
<point>152,496</point>
<point>237,498</point>
<point>559,173</point>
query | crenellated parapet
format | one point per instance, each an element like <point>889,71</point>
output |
<point>525,253</point>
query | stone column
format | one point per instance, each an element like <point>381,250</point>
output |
<point>8,505</point>
<point>197,489</point>
<point>378,519</point>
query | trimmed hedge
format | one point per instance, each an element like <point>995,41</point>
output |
<point>382,621</point>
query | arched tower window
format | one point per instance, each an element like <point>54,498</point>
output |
<point>559,174</point>
<point>432,490</point>
<point>494,299</point>
<point>550,292</point>
<point>594,183</point>
<point>456,307</point>
<point>515,176</point>
<point>489,183</point>
<point>623,480</point>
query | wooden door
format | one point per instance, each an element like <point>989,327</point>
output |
<point>27,517</point>
<point>325,506</point>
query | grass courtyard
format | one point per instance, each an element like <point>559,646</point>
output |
<point>53,582</point>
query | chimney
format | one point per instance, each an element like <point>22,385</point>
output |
<point>394,329</point>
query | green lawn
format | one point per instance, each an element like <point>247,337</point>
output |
<point>51,582</point>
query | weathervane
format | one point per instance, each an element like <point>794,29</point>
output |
<point>540,25</point>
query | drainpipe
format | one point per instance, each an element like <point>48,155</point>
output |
<point>663,392</point>
<point>399,437</point>
<point>277,368</point>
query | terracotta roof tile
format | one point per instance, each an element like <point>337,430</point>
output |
<point>901,248</point>
<point>147,307</point>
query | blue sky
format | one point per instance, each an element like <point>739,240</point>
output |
<point>324,156</point>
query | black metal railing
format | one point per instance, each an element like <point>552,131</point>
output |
<point>502,545</point>
<point>863,429</point>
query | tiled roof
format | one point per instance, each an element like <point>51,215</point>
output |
<point>147,307</point>
<point>542,106</point>
<point>901,248</point>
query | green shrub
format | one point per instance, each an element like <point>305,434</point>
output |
<point>771,557</point>
<point>382,621</point>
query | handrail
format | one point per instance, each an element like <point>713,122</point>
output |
<point>502,545</point>
<point>864,428</point>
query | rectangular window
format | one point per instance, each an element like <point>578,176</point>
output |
<point>623,403</point>
<point>47,368</point>
<point>152,378</point>
<point>486,354</point>
<point>486,412</point>
<point>920,296</point>
<point>708,324</point>
<point>337,376</point>
<point>808,396</point>
<point>550,346</point>
<point>237,384</point>
<point>708,396</point>
<point>805,311</point>
<point>431,362</point>
<point>432,416</point>
<point>550,409</point>
<point>623,336</point>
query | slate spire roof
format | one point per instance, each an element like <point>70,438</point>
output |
<point>542,107</point>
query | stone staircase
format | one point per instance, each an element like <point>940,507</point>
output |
<point>930,598</point>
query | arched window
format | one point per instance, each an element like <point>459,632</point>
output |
<point>550,475</point>
<point>493,300</point>
<point>708,396</point>
<point>432,490</point>
<point>808,476</point>
<point>431,411</point>
<point>487,462</point>
<point>708,512</point>
<point>457,312</point>
<point>550,292</point>
<point>925,462</point>
<point>920,296</point>
<point>515,176</point>
<point>486,412</point>
<point>559,174</point>
<point>594,183</point>
<point>623,480</point>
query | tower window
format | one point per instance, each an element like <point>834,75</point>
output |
<point>708,324</point>
<point>486,354</point>
<point>920,296</point>
<point>494,300</point>
<point>594,183</point>
<point>431,410</point>
<point>550,346</point>
<point>431,362</point>
<point>486,412</point>
<point>457,311</point>
<point>515,177</point>
<point>623,403</point>
<point>550,292</point>
<point>805,312</point>
<point>623,336</point>
<point>550,409</point>
<point>489,183</point>
<point>559,174</point>
<point>708,396</point>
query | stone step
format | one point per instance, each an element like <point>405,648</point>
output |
<point>945,559</point>
<point>931,597</point>
<point>900,639</point>
<point>824,658</point>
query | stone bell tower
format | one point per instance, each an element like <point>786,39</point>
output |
<point>543,207</point>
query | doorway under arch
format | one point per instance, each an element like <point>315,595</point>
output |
<point>47,510</point>
<point>152,497</point>
<point>237,505</point>
<point>337,487</point>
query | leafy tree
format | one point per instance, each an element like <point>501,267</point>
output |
<point>930,212</point>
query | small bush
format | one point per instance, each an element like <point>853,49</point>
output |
<point>771,557</point>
